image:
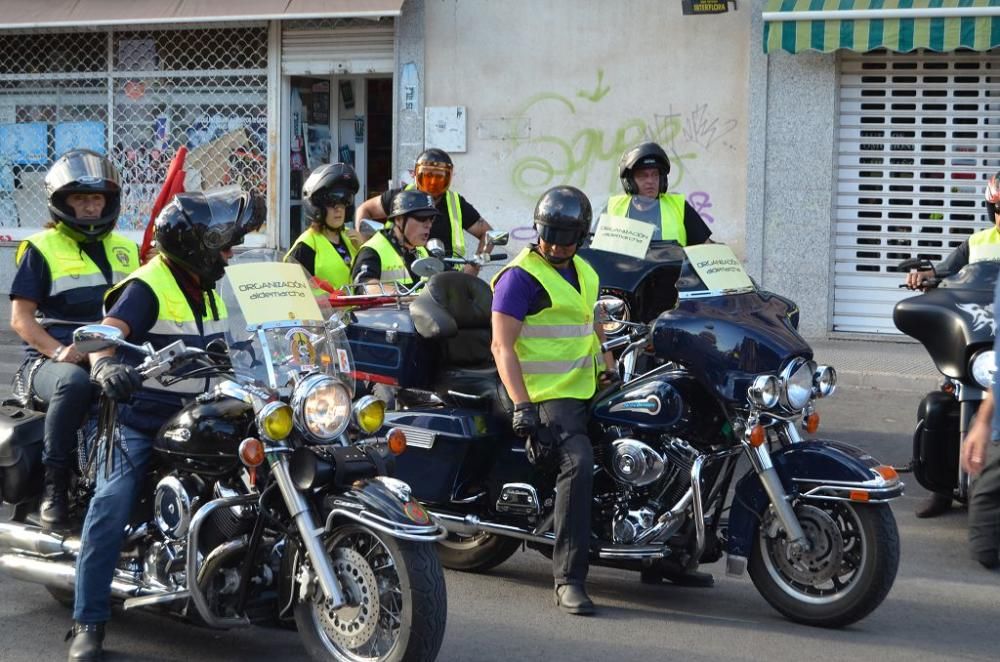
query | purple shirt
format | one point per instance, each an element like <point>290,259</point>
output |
<point>518,294</point>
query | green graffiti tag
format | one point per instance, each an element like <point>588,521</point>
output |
<point>555,159</point>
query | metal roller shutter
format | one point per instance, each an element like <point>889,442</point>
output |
<point>918,136</point>
<point>338,47</point>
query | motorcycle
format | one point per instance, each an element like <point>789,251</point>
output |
<point>720,375</point>
<point>267,501</point>
<point>954,320</point>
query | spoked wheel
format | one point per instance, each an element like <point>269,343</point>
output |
<point>845,573</point>
<point>475,553</point>
<point>395,601</point>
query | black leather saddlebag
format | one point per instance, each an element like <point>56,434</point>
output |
<point>21,439</point>
<point>936,443</point>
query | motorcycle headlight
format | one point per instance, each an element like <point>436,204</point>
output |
<point>764,391</point>
<point>274,421</point>
<point>824,381</point>
<point>984,366</point>
<point>369,412</point>
<point>322,407</point>
<point>797,384</point>
<point>613,312</point>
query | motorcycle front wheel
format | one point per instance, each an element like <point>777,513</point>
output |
<point>396,605</point>
<point>844,575</point>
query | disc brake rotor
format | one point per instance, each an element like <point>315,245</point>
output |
<point>826,549</point>
<point>353,624</point>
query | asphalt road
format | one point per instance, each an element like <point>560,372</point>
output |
<point>942,607</point>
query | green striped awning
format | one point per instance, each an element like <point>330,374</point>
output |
<point>865,25</point>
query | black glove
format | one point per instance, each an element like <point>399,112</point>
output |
<point>608,378</point>
<point>118,380</point>
<point>526,420</point>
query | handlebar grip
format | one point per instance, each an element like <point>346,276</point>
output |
<point>497,256</point>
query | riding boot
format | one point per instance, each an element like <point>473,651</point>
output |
<point>573,599</point>
<point>934,505</point>
<point>54,511</point>
<point>88,642</point>
<point>676,575</point>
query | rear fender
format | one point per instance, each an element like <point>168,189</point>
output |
<point>814,469</point>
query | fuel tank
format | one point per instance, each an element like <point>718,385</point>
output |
<point>205,436</point>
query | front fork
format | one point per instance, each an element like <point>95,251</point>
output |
<point>311,535</point>
<point>969,400</point>
<point>768,475</point>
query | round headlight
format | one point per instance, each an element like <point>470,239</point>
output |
<point>612,313</point>
<point>369,412</point>
<point>824,381</point>
<point>984,365</point>
<point>274,421</point>
<point>797,384</point>
<point>764,391</point>
<point>322,407</point>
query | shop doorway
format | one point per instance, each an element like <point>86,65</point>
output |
<point>338,118</point>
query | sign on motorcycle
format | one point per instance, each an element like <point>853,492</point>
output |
<point>622,236</point>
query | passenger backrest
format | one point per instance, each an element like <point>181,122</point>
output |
<point>454,308</point>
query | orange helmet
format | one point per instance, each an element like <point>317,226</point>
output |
<point>433,171</point>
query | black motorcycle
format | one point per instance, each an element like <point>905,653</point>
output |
<point>722,374</point>
<point>954,321</point>
<point>267,501</point>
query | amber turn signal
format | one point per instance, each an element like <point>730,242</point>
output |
<point>758,435</point>
<point>886,472</point>
<point>252,452</point>
<point>859,495</point>
<point>396,440</point>
<point>812,423</point>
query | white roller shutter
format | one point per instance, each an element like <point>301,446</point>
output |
<point>918,136</point>
<point>350,49</point>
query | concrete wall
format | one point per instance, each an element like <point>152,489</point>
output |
<point>556,91</point>
<point>792,116</point>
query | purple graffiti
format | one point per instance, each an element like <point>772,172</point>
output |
<point>700,201</point>
<point>525,233</point>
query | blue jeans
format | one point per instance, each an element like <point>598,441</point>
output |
<point>104,528</point>
<point>66,389</point>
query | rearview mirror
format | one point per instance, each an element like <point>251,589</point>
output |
<point>368,227</point>
<point>498,238</point>
<point>425,267</point>
<point>96,337</point>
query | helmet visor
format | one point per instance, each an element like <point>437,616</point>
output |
<point>433,180</point>
<point>82,171</point>
<point>232,214</point>
<point>993,189</point>
<point>559,236</point>
<point>333,198</point>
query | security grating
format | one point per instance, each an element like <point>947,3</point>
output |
<point>136,95</point>
<point>918,136</point>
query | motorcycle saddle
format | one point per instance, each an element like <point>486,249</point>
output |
<point>454,310</point>
<point>478,388</point>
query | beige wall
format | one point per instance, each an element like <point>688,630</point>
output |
<point>556,90</point>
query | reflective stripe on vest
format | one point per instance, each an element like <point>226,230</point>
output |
<point>455,218</point>
<point>329,265</point>
<point>558,347</point>
<point>71,270</point>
<point>671,215</point>
<point>984,246</point>
<point>393,267</point>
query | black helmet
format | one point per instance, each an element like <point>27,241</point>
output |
<point>992,195</point>
<point>196,227</point>
<point>330,184</point>
<point>432,172</point>
<point>643,155</point>
<point>84,171</point>
<point>436,157</point>
<point>563,215</point>
<point>412,203</point>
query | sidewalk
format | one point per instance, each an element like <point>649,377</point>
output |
<point>886,366</point>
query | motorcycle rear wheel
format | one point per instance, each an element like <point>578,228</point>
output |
<point>397,605</point>
<point>477,553</point>
<point>843,578</point>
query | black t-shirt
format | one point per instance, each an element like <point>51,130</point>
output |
<point>441,228</point>
<point>368,264</point>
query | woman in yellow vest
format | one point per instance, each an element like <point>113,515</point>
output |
<point>62,275</point>
<point>547,347</point>
<point>384,260</point>
<point>327,248</point>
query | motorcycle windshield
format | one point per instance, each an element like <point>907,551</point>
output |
<point>280,327</point>
<point>712,270</point>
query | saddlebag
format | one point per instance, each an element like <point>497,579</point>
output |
<point>936,442</point>
<point>21,440</point>
<point>387,348</point>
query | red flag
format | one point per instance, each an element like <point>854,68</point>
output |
<point>172,185</point>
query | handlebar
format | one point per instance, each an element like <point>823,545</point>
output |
<point>479,259</point>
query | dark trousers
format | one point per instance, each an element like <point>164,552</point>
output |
<point>65,387</point>
<point>574,488</point>
<point>984,509</point>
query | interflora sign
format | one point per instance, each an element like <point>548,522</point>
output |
<point>695,7</point>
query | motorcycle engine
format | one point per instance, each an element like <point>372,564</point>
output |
<point>175,499</point>
<point>634,462</point>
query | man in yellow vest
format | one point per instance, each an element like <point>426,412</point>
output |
<point>327,247</point>
<point>62,275</point>
<point>384,260</point>
<point>643,171</point>
<point>432,175</point>
<point>170,298</point>
<point>981,246</point>
<point>547,347</point>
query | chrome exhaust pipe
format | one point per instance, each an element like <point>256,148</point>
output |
<point>32,540</point>
<point>471,525</point>
<point>62,575</point>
